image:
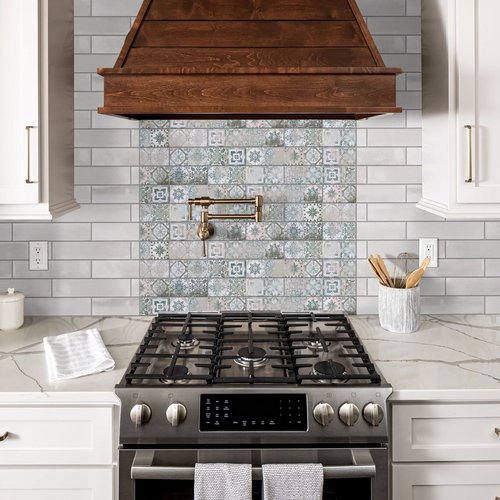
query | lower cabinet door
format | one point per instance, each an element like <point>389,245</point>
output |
<point>56,484</point>
<point>444,481</point>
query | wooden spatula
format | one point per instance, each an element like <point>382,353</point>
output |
<point>414,278</point>
<point>383,268</point>
<point>425,263</point>
<point>375,268</point>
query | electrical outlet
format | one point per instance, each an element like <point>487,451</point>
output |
<point>39,256</point>
<point>429,248</point>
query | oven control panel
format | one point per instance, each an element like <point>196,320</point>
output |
<point>253,412</point>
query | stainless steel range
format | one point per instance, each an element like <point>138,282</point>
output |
<point>252,387</point>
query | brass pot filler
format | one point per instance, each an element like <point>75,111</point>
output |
<point>205,229</point>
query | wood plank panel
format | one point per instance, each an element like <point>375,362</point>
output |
<point>208,60</point>
<point>252,94</point>
<point>249,34</point>
<point>219,10</point>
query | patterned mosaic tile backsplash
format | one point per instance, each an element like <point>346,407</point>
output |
<point>302,257</point>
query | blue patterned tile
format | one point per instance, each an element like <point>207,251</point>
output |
<point>159,306</point>
<point>154,269</point>
<point>216,138</point>
<point>231,287</point>
<point>178,269</point>
<point>313,212</point>
<point>302,257</point>
<point>154,156</point>
<point>237,268</point>
<point>275,138</point>
<point>154,231</point>
<point>153,175</point>
<point>333,287</point>
<point>331,268</point>
<point>236,156</point>
<point>188,138</point>
<point>154,250</point>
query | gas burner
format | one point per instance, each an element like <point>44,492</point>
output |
<point>179,371</point>
<point>245,357</point>
<point>315,344</point>
<point>330,369</point>
<point>186,342</point>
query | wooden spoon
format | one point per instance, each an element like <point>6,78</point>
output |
<point>383,268</point>
<point>414,278</point>
<point>425,263</point>
<point>377,271</point>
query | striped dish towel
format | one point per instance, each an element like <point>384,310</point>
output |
<point>76,354</point>
<point>292,481</point>
<point>223,482</point>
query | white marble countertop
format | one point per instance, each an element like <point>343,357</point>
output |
<point>450,358</point>
<point>23,370</point>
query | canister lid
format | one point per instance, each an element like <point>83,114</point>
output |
<point>11,295</point>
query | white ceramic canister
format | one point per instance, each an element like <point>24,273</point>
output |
<point>399,309</point>
<point>11,309</point>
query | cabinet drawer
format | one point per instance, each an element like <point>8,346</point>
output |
<point>446,481</point>
<point>445,432</point>
<point>56,435</point>
<point>56,484</point>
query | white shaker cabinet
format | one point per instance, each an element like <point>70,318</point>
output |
<point>58,451</point>
<point>36,109</point>
<point>461,108</point>
<point>445,450</point>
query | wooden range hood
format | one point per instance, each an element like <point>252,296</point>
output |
<point>248,59</point>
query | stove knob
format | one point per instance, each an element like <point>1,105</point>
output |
<point>323,414</point>
<point>140,414</point>
<point>349,414</point>
<point>373,414</point>
<point>176,414</point>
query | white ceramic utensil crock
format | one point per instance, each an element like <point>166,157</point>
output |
<point>11,309</point>
<point>399,309</point>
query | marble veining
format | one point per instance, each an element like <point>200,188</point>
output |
<point>22,357</point>
<point>449,357</point>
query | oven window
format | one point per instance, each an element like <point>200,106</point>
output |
<point>335,489</point>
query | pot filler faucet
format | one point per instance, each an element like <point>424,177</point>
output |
<point>205,229</point>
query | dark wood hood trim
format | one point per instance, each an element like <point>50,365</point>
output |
<point>249,59</point>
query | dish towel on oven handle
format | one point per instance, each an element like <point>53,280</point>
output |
<point>292,481</point>
<point>223,482</point>
<point>76,354</point>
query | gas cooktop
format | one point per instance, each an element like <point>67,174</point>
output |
<point>250,348</point>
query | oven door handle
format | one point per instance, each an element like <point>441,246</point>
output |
<point>143,468</point>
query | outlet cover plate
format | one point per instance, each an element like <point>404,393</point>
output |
<point>429,247</point>
<point>39,255</point>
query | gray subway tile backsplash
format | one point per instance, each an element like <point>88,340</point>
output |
<point>334,192</point>
<point>91,287</point>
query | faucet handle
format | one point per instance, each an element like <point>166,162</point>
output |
<point>205,230</point>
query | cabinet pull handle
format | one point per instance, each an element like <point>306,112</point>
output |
<point>497,431</point>
<point>4,436</point>
<point>469,135</point>
<point>28,177</point>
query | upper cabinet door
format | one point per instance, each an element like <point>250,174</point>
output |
<point>19,101</point>
<point>36,109</point>
<point>478,123</point>
<point>461,109</point>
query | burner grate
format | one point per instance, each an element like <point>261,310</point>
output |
<point>269,348</point>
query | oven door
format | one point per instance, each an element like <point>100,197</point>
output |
<point>359,473</point>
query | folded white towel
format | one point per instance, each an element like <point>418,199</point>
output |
<point>76,354</point>
<point>223,482</point>
<point>292,481</point>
